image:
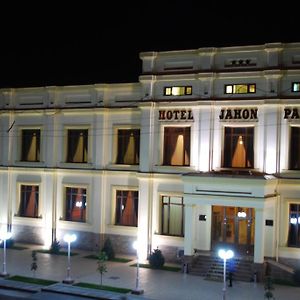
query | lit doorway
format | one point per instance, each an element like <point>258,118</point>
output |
<point>234,227</point>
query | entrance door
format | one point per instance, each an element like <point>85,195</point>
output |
<point>234,227</point>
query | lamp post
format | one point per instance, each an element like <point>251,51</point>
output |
<point>69,238</point>
<point>225,255</point>
<point>4,236</point>
<point>137,290</point>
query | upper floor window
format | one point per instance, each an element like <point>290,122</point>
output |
<point>30,145</point>
<point>176,146</point>
<point>178,90</point>
<point>294,155</point>
<point>240,88</point>
<point>294,226</point>
<point>75,206</point>
<point>172,216</point>
<point>126,208</point>
<point>77,145</point>
<point>29,201</point>
<point>296,87</point>
<point>238,147</point>
<point>128,146</point>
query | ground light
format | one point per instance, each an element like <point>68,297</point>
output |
<point>69,238</point>
<point>225,254</point>
<point>4,236</point>
<point>137,290</point>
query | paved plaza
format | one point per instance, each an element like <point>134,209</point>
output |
<point>157,284</point>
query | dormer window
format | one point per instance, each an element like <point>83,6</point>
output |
<point>240,88</point>
<point>177,91</point>
<point>296,87</point>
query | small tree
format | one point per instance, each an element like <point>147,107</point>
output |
<point>108,249</point>
<point>55,247</point>
<point>102,258</point>
<point>156,259</point>
<point>268,288</point>
<point>34,265</point>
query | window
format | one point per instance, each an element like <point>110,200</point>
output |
<point>30,145</point>
<point>296,87</point>
<point>126,208</point>
<point>77,148</point>
<point>240,88</point>
<point>178,90</point>
<point>294,155</point>
<point>176,146</point>
<point>238,147</point>
<point>75,204</point>
<point>294,226</point>
<point>128,146</point>
<point>29,201</point>
<point>172,222</point>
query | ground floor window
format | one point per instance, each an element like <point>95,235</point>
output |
<point>172,222</point>
<point>126,208</point>
<point>294,226</point>
<point>75,204</point>
<point>29,201</point>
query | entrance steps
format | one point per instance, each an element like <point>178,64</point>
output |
<point>211,267</point>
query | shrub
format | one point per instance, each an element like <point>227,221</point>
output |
<point>55,247</point>
<point>156,259</point>
<point>108,249</point>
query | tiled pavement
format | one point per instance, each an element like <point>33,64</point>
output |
<point>157,284</point>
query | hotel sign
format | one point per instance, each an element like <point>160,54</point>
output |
<point>240,114</point>
<point>291,113</point>
<point>176,115</point>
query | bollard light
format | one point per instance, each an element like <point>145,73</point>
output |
<point>225,254</point>
<point>4,236</point>
<point>137,290</point>
<point>69,238</point>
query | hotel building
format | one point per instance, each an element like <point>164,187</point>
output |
<point>202,152</point>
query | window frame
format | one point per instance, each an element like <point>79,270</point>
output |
<point>66,143</point>
<point>240,125</point>
<point>161,215</point>
<point>233,86</point>
<point>188,90</point>
<point>292,147</point>
<point>297,244</point>
<point>31,184</point>
<point>295,87</point>
<point>163,142</point>
<point>20,142</point>
<point>114,205</point>
<point>64,203</point>
<point>116,143</point>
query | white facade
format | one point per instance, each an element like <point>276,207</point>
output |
<point>209,98</point>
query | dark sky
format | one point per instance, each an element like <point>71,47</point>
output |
<point>70,44</point>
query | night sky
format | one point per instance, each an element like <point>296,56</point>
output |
<point>74,44</point>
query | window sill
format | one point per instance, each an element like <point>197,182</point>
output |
<point>75,165</point>
<point>27,220</point>
<point>123,167</point>
<point>30,163</point>
<point>174,169</point>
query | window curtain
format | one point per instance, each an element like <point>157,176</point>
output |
<point>77,146</point>
<point>78,206</point>
<point>30,145</point>
<point>129,217</point>
<point>128,146</point>
<point>177,146</point>
<point>29,201</point>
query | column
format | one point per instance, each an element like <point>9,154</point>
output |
<point>259,240</point>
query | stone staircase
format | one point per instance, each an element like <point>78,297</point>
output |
<point>211,267</point>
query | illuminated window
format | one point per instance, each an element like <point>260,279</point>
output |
<point>30,145</point>
<point>172,214</point>
<point>238,147</point>
<point>296,87</point>
<point>29,201</point>
<point>178,91</point>
<point>294,155</point>
<point>75,209</point>
<point>294,226</point>
<point>126,208</point>
<point>128,146</point>
<point>240,88</point>
<point>77,148</point>
<point>176,146</point>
